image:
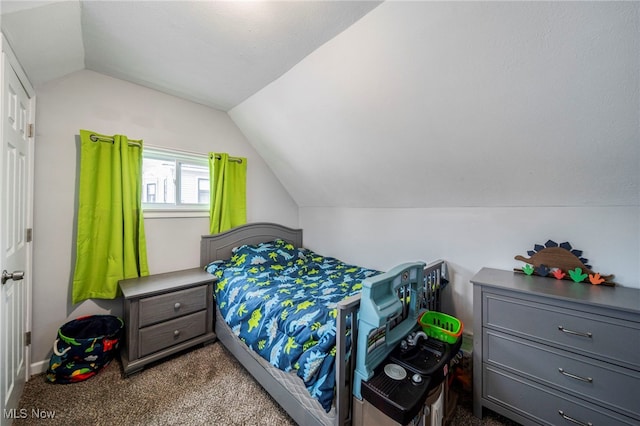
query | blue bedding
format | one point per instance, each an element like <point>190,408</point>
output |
<point>281,301</point>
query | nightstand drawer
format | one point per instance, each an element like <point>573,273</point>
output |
<point>581,332</point>
<point>172,305</point>
<point>166,314</point>
<point>603,383</point>
<point>163,335</point>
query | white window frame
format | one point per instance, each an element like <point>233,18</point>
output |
<point>177,210</point>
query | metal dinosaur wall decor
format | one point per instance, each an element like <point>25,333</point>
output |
<point>561,261</point>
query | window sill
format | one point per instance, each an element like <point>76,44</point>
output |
<point>175,213</point>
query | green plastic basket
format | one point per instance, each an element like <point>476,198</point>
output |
<point>441,326</point>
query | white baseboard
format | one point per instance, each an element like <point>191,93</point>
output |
<point>39,367</point>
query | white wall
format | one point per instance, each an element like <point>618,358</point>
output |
<point>472,238</point>
<point>468,131</point>
<point>93,101</point>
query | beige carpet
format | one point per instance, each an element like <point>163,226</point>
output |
<point>205,386</point>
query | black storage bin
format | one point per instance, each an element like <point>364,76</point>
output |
<point>83,347</point>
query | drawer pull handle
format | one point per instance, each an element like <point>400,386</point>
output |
<point>176,306</point>
<point>176,333</point>
<point>573,376</point>
<point>577,333</point>
<point>572,420</point>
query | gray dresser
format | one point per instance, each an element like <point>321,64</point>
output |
<point>165,314</point>
<point>555,352</point>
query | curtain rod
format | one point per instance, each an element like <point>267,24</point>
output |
<point>96,138</point>
<point>234,159</point>
<point>184,151</point>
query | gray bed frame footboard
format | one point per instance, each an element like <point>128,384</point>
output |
<point>219,247</point>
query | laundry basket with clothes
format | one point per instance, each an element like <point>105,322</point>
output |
<point>83,347</point>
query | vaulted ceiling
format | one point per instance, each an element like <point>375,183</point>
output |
<point>393,104</point>
<point>216,53</point>
<point>461,104</point>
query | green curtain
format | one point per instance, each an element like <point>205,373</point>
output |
<point>110,243</point>
<point>228,181</point>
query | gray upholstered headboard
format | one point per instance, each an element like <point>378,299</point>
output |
<point>219,246</point>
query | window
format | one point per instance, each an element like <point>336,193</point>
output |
<point>174,180</point>
<point>151,193</point>
<point>203,191</point>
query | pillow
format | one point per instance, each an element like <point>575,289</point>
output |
<point>277,252</point>
<point>214,266</point>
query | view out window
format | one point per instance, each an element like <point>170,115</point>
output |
<point>174,180</point>
<point>151,193</point>
<point>203,191</point>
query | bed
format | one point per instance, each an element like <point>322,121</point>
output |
<point>249,261</point>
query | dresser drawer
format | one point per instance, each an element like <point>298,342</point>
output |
<point>605,384</point>
<point>171,305</point>
<point>598,336</point>
<point>543,404</point>
<point>166,334</point>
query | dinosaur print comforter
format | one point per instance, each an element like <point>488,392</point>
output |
<point>281,301</point>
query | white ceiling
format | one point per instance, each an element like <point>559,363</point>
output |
<point>399,104</point>
<point>441,104</point>
<point>217,53</point>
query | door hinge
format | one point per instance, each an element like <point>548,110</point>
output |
<point>30,131</point>
<point>27,338</point>
<point>29,235</point>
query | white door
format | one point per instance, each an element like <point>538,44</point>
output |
<point>15,204</point>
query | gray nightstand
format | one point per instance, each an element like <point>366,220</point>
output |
<point>165,314</point>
